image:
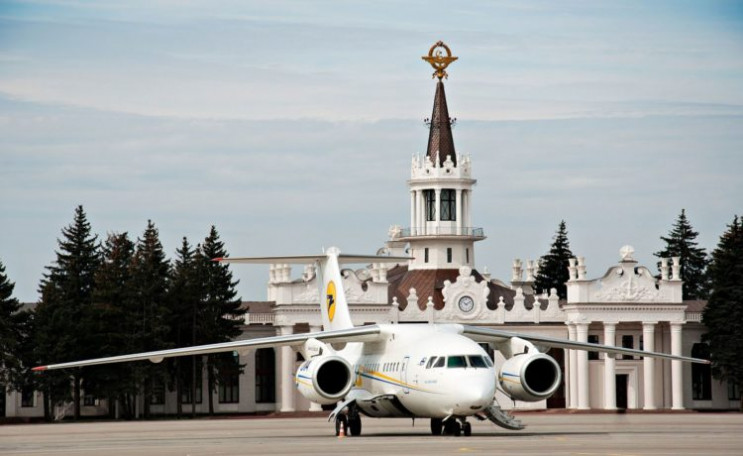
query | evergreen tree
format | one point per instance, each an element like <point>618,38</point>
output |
<point>14,327</point>
<point>150,272</point>
<point>221,312</point>
<point>553,267</point>
<point>184,299</point>
<point>66,291</point>
<point>113,300</point>
<point>681,243</point>
<point>723,315</point>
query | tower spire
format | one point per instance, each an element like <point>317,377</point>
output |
<point>440,139</point>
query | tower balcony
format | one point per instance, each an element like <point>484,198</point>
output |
<point>442,232</point>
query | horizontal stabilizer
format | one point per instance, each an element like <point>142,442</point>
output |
<point>307,259</point>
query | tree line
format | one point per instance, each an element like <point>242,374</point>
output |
<point>117,297</point>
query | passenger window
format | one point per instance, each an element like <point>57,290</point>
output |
<point>440,362</point>
<point>476,361</point>
<point>456,362</point>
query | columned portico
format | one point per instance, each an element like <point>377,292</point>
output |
<point>286,373</point>
<point>648,335</point>
<point>610,386</point>
<point>581,331</point>
<point>677,388</point>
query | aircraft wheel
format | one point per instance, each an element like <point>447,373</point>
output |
<point>338,420</point>
<point>452,427</point>
<point>354,425</point>
<point>437,426</point>
<point>467,428</point>
<point>456,429</point>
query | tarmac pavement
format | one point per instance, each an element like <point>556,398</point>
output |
<point>573,434</point>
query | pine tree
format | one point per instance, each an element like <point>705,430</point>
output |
<point>723,315</point>
<point>221,312</point>
<point>113,298</point>
<point>66,291</point>
<point>681,243</point>
<point>14,327</point>
<point>553,267</point>
<point>184,299</point>
<point>150,272</point>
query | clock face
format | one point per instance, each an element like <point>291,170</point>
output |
<point>466,304</point>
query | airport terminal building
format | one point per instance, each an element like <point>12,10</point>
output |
<point>625,306</point>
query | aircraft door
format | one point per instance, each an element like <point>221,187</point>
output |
<point>404,375</point>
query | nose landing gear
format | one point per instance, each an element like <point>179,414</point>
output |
<point>452,426</point>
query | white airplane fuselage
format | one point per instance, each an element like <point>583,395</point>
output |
<point>432,371</point>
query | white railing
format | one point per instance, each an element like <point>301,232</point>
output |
<point>442,231</point>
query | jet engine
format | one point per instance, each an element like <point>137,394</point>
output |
<point>530,377</point>
<point>325,379</point>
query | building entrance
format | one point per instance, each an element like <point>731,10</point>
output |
<point>621,388</point>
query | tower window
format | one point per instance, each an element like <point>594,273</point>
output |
<point>448,254</point>
<point>430,197</point>
<point>425,255</point>
<point>448,204</point>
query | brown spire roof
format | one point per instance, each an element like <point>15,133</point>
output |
<point>440,139</point>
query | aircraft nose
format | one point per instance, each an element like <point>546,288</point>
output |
<point>475,398</point>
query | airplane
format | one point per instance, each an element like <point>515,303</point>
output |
<point>435,371</point>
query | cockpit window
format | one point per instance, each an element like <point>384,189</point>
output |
<point>488,361</point>
<point>431,360</point>
<point>440,362</point>
<point>456,361</point>
<point>476,361</point>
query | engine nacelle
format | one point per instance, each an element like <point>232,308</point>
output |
<point>324,379</point>
<point>530,377</point>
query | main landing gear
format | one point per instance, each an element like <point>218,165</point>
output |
<point>452,426</point>
<point>351,423</point>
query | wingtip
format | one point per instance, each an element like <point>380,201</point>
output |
<point>217,260</point>
<point>39,368</point>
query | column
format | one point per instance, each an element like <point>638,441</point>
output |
<point>677,372</point>
<point>581,332</point>
<point>437,210</point>
<point>610,385</point>
<point>413,212</point>
<point>572,372</point>
<point>459,211</point>
<point>648,365</point>
<point>287,373</point>
<point>421,212</point>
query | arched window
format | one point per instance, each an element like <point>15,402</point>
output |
<point>265,375</point>
<point>701,374</point>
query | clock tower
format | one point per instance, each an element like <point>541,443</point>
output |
<point>441,235</point>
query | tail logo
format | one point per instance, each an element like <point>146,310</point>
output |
<point>330,300</point>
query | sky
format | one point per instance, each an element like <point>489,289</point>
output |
<point>290,125</point>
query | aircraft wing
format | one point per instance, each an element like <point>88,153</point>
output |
<point>358,334</point>
<point>496,335</point>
